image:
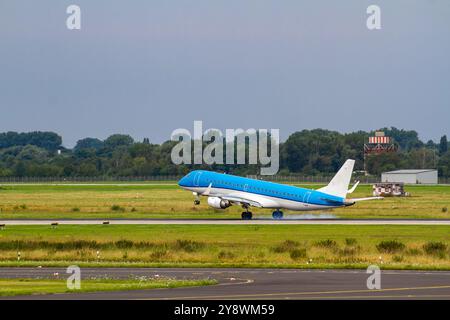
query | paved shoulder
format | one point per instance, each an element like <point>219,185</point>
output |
<point>259,284</point>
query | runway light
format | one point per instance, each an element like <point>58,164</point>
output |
<point>54,224</point>
<point>2,226</point>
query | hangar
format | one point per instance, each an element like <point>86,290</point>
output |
<point>412,176</point>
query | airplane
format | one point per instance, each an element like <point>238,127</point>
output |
<point>225,190</point>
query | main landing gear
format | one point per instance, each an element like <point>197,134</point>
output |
<point>277,214</point>
<point>246,215</point>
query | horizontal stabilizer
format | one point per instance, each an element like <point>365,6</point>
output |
<point>365,199</point>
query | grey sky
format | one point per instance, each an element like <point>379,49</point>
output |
<point>149,67</point>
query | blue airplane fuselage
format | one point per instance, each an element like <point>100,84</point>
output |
<point>268,194</point>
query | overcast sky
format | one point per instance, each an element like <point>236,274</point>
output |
<point>149,67</point>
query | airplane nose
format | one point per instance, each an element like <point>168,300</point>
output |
<point>182,182</point>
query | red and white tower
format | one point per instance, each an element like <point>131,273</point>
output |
<point>378,144</point>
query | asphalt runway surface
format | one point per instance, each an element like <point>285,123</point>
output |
<point>256,221</point>
<point>242,284</point>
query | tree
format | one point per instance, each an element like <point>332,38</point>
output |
<point>88,143</point>
<point>312,151</point>
<point>378,163</point>
<point>443,145</point>
<point>423,158</point>
<point>5,172</point>
<point>444,165</point>
<point>47,140</point>
<point>33,153</point>
<point>406,139</point>
<point>20,169</point>
<point>117,140</point>
<point>430,144</point>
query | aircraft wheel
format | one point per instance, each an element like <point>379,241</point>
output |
<point>277,214</point>
<point>246,215</point>
<point>196,202</point>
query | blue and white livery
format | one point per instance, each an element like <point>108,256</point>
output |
<point>224,190</point>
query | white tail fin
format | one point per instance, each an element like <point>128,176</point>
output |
<point>339,184</point>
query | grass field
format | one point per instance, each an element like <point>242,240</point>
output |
<point>304,246</point>
<point>169,201</point>
<point>13,287</point>
<point>285,246</point>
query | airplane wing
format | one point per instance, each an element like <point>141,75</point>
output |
<point>240,200</point>
<point>208,190</point>
<point>233,199</point>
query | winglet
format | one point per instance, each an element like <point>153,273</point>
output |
<point>353,188</point>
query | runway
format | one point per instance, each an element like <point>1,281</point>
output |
<point>257,221</point>
<point>244,284</point>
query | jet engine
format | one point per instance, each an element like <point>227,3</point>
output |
<point>218,203</point>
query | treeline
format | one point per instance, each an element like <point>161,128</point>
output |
<point>308,152</point>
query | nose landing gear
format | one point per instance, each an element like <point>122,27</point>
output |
<point>197,198</point>
<point>277,215</point>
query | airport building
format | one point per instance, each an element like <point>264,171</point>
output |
<point>412,176</point>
